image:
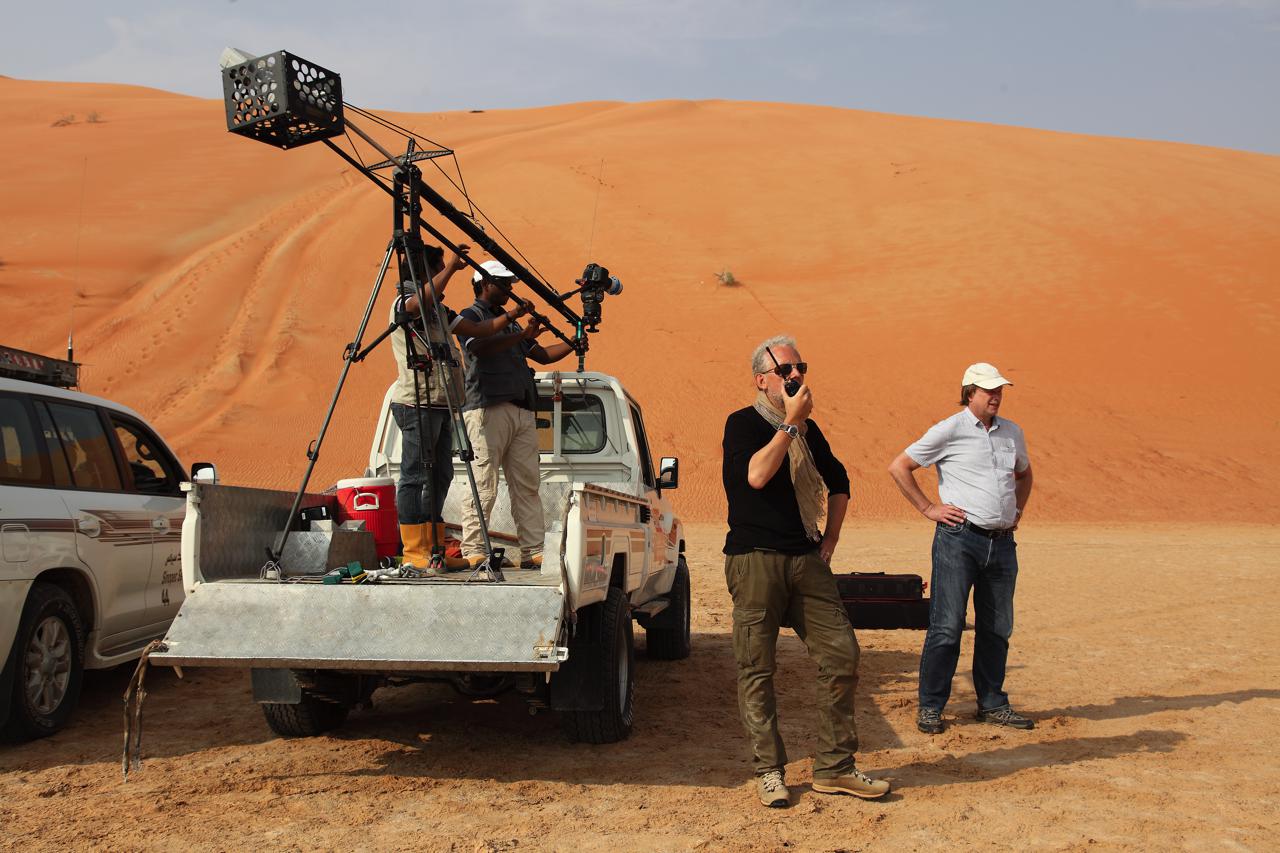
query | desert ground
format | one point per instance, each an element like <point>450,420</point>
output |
<point>1127,287</point>
<point>1148,655</point>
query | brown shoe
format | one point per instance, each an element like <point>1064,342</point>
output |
<point>534,562</point>
<point>772,790</point>
<point>854,782</point>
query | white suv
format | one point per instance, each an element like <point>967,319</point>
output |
<point>90,528</point>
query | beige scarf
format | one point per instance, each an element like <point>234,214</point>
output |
<point>811,491</point>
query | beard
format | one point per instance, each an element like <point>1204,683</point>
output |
<point>776,400</point>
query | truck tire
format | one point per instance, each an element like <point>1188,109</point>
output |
<point>667,635</point>
<point>612,657</point>
<point>47,664</point>
<point>308,718</point>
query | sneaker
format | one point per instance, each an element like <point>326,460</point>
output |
<point>772,790</point>
<point>854,782</point>
<point>930,722</point>
<point>1005,716</point>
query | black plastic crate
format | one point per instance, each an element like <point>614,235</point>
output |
<point>283,100</point>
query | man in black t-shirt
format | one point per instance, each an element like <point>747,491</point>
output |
<point>778,471</point>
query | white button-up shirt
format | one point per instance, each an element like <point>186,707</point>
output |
<point>976,466</point>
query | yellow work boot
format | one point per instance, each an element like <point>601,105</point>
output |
<point>417,552</point>
<point>452,564</point>
<point>534,562</point>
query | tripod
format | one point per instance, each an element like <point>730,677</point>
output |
<point>406,246</point>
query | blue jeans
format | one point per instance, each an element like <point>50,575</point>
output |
<point>412,503</point>
<point>964,560</point>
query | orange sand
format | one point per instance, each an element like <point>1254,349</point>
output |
<point>1126,287</point>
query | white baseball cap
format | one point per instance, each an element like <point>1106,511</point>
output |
<point>984,376</point>
<point>493,268</point>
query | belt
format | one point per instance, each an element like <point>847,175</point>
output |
<point>990,534</point>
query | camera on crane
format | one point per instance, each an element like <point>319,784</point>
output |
<point>594,285</point>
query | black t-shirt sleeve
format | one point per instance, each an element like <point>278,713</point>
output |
<point>742,438</point>
<point>831,469</point>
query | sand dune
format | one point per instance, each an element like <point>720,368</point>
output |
<point>1127,287</point>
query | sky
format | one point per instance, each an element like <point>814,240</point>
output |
<point>1196,71</point>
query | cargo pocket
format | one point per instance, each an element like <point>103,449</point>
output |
<point>751,641</point>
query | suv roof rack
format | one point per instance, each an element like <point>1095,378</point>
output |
<point>32,367</point>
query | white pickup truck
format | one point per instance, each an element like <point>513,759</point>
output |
<point>560,635</point>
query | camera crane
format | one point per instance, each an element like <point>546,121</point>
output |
<point>285,101</point>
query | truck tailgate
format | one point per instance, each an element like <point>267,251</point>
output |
<point>388,627</point>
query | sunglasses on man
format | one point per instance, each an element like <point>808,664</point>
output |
<point>784,370</point>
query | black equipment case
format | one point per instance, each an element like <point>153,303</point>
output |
<point>879,600</point>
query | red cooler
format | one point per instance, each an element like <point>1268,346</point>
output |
<point>373,501</point>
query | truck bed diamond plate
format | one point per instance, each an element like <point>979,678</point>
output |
<point>367,627</point>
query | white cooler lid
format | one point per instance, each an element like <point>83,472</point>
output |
<point>365,482</point>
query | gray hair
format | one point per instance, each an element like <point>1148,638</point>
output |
<point>760,361</point>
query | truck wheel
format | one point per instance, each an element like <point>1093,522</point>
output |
<point>308,718</point>
<point>48,664</point>
<point>667,635</point>
<point>613,658</point>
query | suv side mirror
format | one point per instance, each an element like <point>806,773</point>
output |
<point>204,472</point>
<point>669,473</point>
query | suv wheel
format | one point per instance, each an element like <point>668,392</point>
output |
<point>48,664</point>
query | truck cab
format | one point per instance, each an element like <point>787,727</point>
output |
<point>590,431</point>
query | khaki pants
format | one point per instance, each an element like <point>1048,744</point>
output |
<point>769,590</point>
<point>504,435</point>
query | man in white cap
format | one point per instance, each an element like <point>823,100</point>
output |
<point>984,480</point>
<point>500,412</point>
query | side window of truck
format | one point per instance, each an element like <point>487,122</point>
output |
<point>152,470</point>
<point>646,464</point>
<point>22,458</point>
<point>88,450</point>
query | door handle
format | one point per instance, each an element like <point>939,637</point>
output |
<point>160,523</point>
<point>89,526</point>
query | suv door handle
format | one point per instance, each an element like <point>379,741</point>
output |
<point>89,526</point>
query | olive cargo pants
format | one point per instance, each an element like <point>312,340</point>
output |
<point>770,590</point>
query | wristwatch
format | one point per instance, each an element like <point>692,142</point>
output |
<point>790,429</point>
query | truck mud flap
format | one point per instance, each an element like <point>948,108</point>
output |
<point>576,685</point>
<point>376,627</point>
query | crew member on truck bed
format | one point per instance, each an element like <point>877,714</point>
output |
<point>420,402</point>
<point>501,417</point>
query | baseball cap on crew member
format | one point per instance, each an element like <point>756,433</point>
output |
<point>493,268</point>
<point>984,376</point>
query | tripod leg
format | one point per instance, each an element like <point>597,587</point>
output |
<point>313,452</point>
